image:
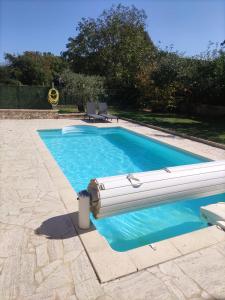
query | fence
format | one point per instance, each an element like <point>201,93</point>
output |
<point>30,97</point>
<point>26,97</point>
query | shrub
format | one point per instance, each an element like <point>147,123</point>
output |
<point>81,88</point>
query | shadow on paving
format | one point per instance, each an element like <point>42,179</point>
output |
<point>61,227</point>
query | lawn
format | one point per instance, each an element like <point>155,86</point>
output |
<point>209,128</point>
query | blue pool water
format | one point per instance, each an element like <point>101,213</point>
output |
<point>88,152</point>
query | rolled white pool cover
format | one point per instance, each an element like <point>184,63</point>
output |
<point>117,194</point>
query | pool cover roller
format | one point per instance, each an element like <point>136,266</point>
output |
<point>118,194</point>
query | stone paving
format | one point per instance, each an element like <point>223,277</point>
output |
<point>41,253</point>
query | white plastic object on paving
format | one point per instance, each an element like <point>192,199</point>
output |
<point>214,214</point>
<point>84,210</point>
<point>123,193</point>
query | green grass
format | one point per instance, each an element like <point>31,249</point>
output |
<point>209,128</point>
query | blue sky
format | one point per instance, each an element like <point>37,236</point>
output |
<point>46,25</point>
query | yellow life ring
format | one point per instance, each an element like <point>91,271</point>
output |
<point>53,96</point>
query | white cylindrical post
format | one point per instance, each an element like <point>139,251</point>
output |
<point>84,210</point>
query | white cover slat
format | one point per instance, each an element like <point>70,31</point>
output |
<point>164,191</point>
<point>142,175</point>
<point>159,200</point>
<point>158,187</point>
<point>166,182</point>
<point>163,175</point>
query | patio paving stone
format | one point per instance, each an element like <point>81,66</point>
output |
<point>42,255</point>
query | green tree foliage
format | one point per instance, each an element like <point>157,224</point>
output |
<point>180,81</point>
<point>207,77</point>
<point>34,68</point>
<point>82,88</point>
<point>116,46</point>
<point>5,77</point>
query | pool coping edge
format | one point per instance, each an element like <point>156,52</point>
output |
<point>108,263</point>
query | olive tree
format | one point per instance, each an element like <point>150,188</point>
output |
<point>82,88</point>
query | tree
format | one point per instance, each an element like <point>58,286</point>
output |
<point>203,76</point>
<point>34,68</point>
<point>5,77</point>
<point>82,88</point>
<point>116,46</point>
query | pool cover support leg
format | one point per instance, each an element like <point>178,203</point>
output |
<point>84,210</point>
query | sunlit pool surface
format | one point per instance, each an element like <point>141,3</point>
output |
<point>87,152</point>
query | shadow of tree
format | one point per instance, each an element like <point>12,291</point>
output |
<point>61,227</point>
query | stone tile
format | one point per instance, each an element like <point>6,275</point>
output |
<point>206,296</point>
<point>70,256</point>
<point>20,219</point>
<point>144,257</point>
<point>34,222</point>
<point>89,289</point>
<point>37,240</point>
<point>46,295</point>
<point>59,278</point>
<point>26,284</point>
<point>104,297</point>
<point>141,285</point>
<point>2,260</point>
<point>108,263</point>
<point>55,249</point>
<point>81,269</point>
<point>64,293</point>
<point>220,247</point>
<point>174,290</point>
<point>207,269</point>
<point>50,268</point>
<point>69,198</point>
<point>72,244</point>
<point>72,297</point>
<point>195,240</point>
<point>30,197</point>
<point>38,277</point>
<point>176,280</point>
<point>49,162</point>
<point>217,233</point>
<point>61,182</point>
<point>42,210</point>
<point>13,241</point>
<point>9,278</point>
<point>54,171</point>
<point>42,255</point>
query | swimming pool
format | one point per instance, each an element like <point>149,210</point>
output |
<point>86,152</point>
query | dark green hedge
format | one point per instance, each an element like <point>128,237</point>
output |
<point>26,97</point>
